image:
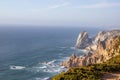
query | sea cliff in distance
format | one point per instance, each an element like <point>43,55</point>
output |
<point>102,57</point>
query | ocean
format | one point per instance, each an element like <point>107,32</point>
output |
<point>32,53</point>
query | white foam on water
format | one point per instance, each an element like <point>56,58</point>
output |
<point>48,63</point>
<point>53,70</point>
<point>43,67</point>
<point>47,70</point>
<point>17,67</point>
<point>46,78</point>
<point>73,48</point>
<point>51,62</point>
<point>83,50</point>
<point>49,67</point>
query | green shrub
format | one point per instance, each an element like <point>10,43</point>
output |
<point>92,72</point>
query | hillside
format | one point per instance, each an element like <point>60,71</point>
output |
<point>102,62</point>
<point>91,72</point>
<point>107,47</point>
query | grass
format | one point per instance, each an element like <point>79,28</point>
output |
<point>91,72</point>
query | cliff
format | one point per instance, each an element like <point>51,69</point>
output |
<point>83,40</point>
<point>109,70</point>
<point>106,45</point>
<point>100,63</point>
<point>91,44</point>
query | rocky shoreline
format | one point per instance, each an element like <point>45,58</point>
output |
<point>101,62</point>
<point>99,49</point>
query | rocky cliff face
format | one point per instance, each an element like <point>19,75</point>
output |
<point>83,40</point>
<point>104,35</point>
<point>108,46</point>
<point>76,61</point>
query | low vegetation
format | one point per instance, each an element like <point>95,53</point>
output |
<point>91,72</point>
<point>94,71</point>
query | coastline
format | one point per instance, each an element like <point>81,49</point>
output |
<point>95,59</point>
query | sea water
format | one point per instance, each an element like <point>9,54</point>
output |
<point>28,53</point>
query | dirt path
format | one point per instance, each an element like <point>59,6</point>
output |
<point>111,76</point>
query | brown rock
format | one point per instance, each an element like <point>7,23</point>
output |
<point>108,46</point>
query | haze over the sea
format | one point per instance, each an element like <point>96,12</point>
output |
<point>60,12</point>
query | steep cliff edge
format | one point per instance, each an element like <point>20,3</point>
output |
<point>107,46</point>
<point>102,63</point>
<point>84,42</point>
<point>109,70</point>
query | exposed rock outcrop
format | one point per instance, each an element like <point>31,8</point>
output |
<point>104,35</point>
<point>83,40</point>
<point>77,61</point>
<point>108,46</point>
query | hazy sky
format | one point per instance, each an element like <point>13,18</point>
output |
<point>60,12</point>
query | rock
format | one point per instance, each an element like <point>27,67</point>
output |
<point>103,36</point>
<point>107,44</point>
<point>83,40</point>
<point>70,62</point>
<point>91,44</point>
<point>91,47</point>
<point>74,61</point>
<point>73,56</point>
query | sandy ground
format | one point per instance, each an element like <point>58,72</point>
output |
<point>111,76</point>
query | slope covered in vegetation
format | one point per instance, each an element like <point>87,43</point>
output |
<point>94,71</point>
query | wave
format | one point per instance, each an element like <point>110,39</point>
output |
<point>54,70</point>
<point>17,67</point>
<point>49,67</point>
<point>73,48</point>
<point>51,62</point>
<point>47,78</point>
<point>43,67</point>
<point>83,50</point>
<point>48,70</point>
<point>48,63</point>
